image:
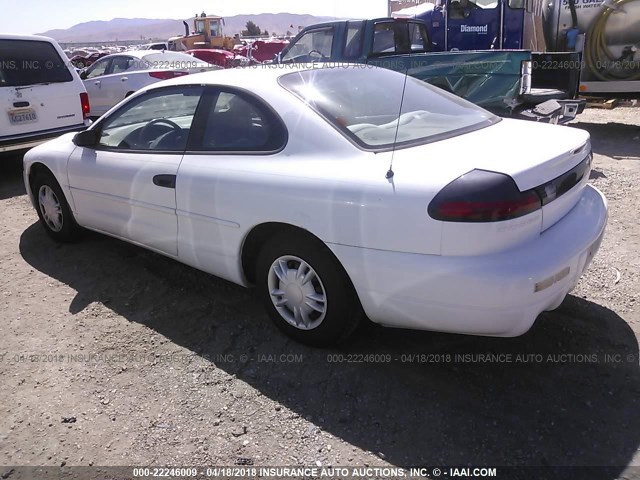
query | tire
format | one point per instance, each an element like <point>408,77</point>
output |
<point>328,309</point>
<point>53,209</point>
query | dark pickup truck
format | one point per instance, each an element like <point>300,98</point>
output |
<point>497,80</point>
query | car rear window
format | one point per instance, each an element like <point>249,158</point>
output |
<point>381,109</point>
<point>29,62</point>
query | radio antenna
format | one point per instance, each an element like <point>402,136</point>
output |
<point>391,173</point>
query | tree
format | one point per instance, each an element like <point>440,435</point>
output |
<point>266,33</point>
<point>252,30</point>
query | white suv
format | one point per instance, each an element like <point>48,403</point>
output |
<point>41,95</point>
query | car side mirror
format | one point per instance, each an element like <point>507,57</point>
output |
<point>83,75</point>
<point>87,138</point>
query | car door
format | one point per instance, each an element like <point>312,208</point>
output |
<point>474,25</point>
<point>117,84</point>
<point>93,78</point>
<point>125,184</point>
<point>236,132</point>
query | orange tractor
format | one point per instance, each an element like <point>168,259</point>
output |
<point>207,33</point>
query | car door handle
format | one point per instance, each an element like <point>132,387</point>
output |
<point>165,181</point>
<point>98,82</point>
<point>124,79</point>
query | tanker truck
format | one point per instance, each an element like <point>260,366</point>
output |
<point>605,33</point>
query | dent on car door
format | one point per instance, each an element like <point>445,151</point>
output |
<point>236,131</point>
<point>125,184</point>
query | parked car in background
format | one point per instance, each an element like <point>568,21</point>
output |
<point>261,50</point>
<point>498,80</point>
<point>221,58</point>
<point>80,61</point>
<point>155,46</point>
<point>281,178</point>
<point>41,95</point>
<point>114,77</point>
<point>77,53</point>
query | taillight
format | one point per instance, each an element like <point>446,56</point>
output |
<point>167,75</point>
<point>86,106</point>
<point>482,196</point>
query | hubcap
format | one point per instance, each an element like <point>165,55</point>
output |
<point>297,292</point>
<point>50,208</point>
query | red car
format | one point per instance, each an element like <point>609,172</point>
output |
<point>262,50</point>
<point>221,58</point>
<point>79,61</point>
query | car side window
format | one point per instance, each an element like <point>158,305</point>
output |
<point>121,64</point>
<point>314,45</point>
<point>159,120</point>
<point>353,40</point>
<point>418,38</point>
<point>399,38</point>
<point>384,38</point>
<point>98,69</point>
<point>240,122</point>
<point>461,9</point>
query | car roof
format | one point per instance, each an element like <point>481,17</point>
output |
<point>140,53</point>
<point>133,53</point>
<point>251,77</point>
<point>40,38</point>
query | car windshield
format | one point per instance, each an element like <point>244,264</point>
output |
<point>366,104</point>
<point>171,60</point>
<point>29,62</point>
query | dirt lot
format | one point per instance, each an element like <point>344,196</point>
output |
<point>161,364</point>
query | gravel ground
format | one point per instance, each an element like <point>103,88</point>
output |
<point>112,355</point>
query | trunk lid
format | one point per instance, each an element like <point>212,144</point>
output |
<point>537,156</point>
<point>530,153</point>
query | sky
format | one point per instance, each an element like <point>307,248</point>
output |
<point>36,16</point>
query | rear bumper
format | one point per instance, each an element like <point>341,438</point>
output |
<point>30,140</point>
<point>553,111</point>
<point>493,295</point>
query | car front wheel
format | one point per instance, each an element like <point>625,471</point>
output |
<point>306,291</point>
<point>53,210</point>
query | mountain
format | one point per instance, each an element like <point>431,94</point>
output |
<point>162,29</point>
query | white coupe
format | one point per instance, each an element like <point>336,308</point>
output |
<point>336,197</point>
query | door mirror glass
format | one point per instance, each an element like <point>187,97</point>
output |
<point>88,138</point>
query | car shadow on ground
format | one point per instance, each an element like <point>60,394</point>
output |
<point>571,398</point>
<point>11,184</point>
<point>615,140</point>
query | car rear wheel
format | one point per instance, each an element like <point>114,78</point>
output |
<point>53,209</point>
<point>305,290</point>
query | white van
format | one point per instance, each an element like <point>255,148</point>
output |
<point>41,94</point>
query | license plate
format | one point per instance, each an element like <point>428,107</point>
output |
<point>18,117</point>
